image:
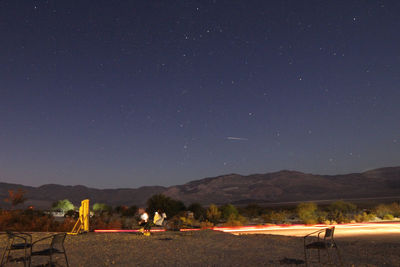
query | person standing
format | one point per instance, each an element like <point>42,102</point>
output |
<point>144,222</point>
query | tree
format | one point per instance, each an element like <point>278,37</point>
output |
<point>276,216</point>
<point>198,210</point>
<point>15,197</point>
<point>382,210</point>
<point>101,207</point>
<point>307,212</point>
<point>213,214</point>
<point>63,205</point>
<point>166,204</point>
<point>126,211</point>
<point>341,211</point>
<point>229,211</point>
<point>251,211</point>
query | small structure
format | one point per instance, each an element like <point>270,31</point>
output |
<point>82,224</point>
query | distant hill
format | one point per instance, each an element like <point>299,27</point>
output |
<point>282,186</point>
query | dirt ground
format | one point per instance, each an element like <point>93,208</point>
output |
<point>211,248</point>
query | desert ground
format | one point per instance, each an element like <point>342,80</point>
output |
<point>214,248</point>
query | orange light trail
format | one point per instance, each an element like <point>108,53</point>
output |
<point>295,230</point>
<point>126,231</point>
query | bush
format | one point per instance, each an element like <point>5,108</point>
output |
<point>198,210</point>
<point>252,211</point>
<point>235,220</point>
<point>341,211</point>
<point>213,214</point>
<point>32,221</point>
<point>101,208</point>
<point>126,211</point>
<point>364,217</point>
<point>166,204</point>
<point>391,209</point>
<point>307,212</point>
<point>395,209</point>
<point>388,217</point>
<point>63,205</point>
<point>229,211</point>
<point>206,225</point>
<point>105,222</point>
<point>276,217</point>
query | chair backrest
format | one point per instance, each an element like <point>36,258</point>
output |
<point>58,241</point>
<point>10,238</point>
<point>10,234</point>
<point>329,233</point>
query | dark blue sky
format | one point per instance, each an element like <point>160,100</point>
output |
<point>130,93</point>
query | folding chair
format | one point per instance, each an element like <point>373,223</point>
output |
<point>16,241</point>
<point>327,243</point>
<point>56,246</point>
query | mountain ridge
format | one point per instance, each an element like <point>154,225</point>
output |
<point>280,186</point>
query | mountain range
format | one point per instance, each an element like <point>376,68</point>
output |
<point>276,187</point>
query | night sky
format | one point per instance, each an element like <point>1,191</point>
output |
<point>129,93</point>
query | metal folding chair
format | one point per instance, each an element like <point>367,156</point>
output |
<point>56,246</point>
<point>326,243</point>
<point>17,241</point>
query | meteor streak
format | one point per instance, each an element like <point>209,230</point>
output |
<point>237,138</point>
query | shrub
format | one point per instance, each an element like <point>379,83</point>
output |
<point>33,221</point>
<point>15,197</point>
<point>341,211</point>
<point>126,211</point>
<point>206,225</point>
<point>235,220</point>
<point>105,222</point>
<point>63,205</point>
<point>382,209</point>
<point>198,210</point>
<point>213,214</point>
<point>252,210</point>
<point>322,217</point>
<point>276,217</point>
<point>101,208</point>
<point>364,217</point>
<point>395,209</point>
<point>229,211</point>
<point>388,217</point>
<point>307,212</point>
<point>166,204</point>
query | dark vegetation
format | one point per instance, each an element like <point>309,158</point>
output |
<point>195,215</point>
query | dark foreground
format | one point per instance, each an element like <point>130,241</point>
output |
<point>210,248</point>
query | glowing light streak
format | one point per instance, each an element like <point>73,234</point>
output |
<point>125,231</point>
<point>351,228</point>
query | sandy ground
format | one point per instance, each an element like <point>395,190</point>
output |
<point>211,248</point>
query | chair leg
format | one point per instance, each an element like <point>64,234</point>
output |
<point>25,256</point>
<point>305,256</point>
<point>2,257</point>
<point>330,256</point>
<point>8,255</point>
<point>339,256</point>
<point>66,260</point>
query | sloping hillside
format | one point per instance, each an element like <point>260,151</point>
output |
<point>280,186</point>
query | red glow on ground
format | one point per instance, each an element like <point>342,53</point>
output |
<point>126,231</point>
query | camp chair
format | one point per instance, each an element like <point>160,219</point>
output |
<point>17,241</point>
<point>56,246</point>
<point>327,243</point>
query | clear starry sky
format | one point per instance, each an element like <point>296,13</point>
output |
<point>129,93</point>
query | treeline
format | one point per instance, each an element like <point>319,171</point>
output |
<point>103,216</point>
